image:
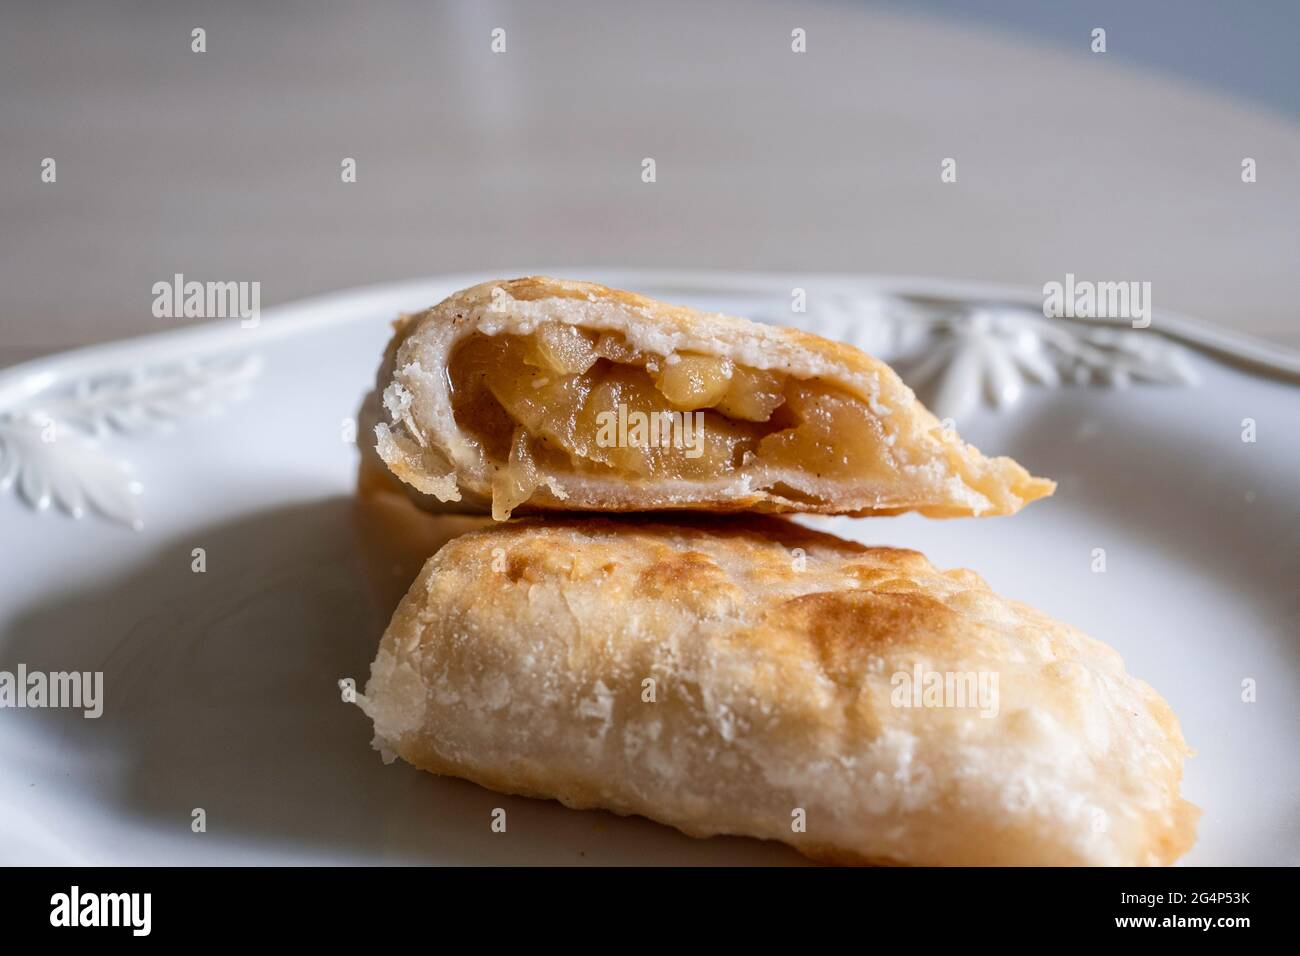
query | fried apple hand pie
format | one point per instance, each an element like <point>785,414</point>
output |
<point>738,678</point>
<point>540,394</point>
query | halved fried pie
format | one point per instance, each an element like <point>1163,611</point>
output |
<point>540,394</point>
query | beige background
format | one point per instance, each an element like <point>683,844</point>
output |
<point>225,165</point>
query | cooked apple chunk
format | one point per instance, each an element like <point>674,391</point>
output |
<point>536,394</point>
<point>689,382</point>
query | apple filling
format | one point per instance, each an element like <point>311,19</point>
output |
<point>563,400</point>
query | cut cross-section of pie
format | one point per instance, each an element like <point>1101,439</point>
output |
<point>540,394</point>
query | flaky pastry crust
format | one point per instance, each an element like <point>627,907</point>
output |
<point>733,678</point>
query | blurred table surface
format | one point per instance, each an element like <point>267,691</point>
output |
<point>225,165</point>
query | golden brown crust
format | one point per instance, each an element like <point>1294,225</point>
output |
<point>782,662</point>
<point>424,445</point>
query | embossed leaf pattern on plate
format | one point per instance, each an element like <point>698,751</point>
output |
<point>51,444</point>
<point>960,357</point>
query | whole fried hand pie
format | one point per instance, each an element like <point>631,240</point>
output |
<point>761,679</point>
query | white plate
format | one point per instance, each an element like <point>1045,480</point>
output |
<point>220,688</point>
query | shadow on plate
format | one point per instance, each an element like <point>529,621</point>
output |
<point>221,692</point>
